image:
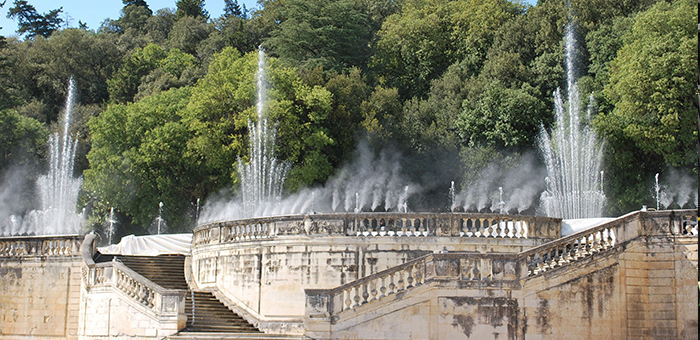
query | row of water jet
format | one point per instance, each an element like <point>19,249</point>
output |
<point>58,190</point>
<point>679,191</point>
<point>371,182</point>
<point>263,177</point>
<point>572,154</point>
<point>510,186</point>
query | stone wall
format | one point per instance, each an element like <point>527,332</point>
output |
<point>260,267</point>
<point>118,302</point>
<point>634,278</point>
<point>39,287</point>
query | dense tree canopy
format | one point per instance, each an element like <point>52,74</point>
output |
<point>458,87</point>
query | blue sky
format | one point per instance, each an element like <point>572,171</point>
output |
<point>95,11</point>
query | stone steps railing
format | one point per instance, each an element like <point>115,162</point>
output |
<point>67,245</point>
<point>380,225</point>
<point>115,275</point>
<point>498,270</point>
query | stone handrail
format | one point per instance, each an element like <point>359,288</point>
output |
<point>143,291</point>
<point>115,274</point>
<point>65,245</point>
<point>380,225</point>
<point>498,270</point>
<point>607,235</point>
<point>475,269</point>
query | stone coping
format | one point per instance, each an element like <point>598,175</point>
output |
<point>382,224</point>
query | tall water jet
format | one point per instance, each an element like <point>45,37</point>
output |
<point>573,155</point>
<point>110,226</point>
<point>262,178</point>
<point>657,188</point>
<point>58,190</point>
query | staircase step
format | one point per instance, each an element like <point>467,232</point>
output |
<point>212,319</point>
<point>239,336</point>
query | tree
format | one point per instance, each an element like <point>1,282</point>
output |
<point>31,22</point>
<point>652,88</point>
<point>140,3</point>
<point>223,103</point>
<point>191,8</point>
<point>23,140</point>
<point>139,158</point>
<point>332,34</point>
<point>151,70</point>
<point>417,44</point>
<point>188,32</point>
<point>501,117</point>
<point>231,8</point>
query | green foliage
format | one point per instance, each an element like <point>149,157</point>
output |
<point>22,138</point>
<point>151,70</point>
<point>417,44</point>
<point>224,102</point>
<point>329,33</point>
<point>191,8</point>
<point>651,85</point>
<point>41,69</point>
<point>187,33</point>
<point>501,117</point>
<point>139,158</point>
<point>432,77</point>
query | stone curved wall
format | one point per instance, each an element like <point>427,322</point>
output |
<point>262,266</point>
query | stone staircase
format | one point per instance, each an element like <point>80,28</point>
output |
<point>207,317</point>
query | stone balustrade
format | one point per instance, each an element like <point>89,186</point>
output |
<point>380,225</point>
<point>498,270</point>
<point>40,246</point>
<point>141,290</point>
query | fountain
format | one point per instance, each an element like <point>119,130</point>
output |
<point>110,226</point>
<point>573,155</point>
<point>657,188</point>
<point>262,178</point>
<point>58,190</point>
<point>361,185</point>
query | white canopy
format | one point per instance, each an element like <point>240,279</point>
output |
<point>151,245</point>
<point>570,227</point>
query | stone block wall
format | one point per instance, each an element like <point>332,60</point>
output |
<point>266,279</point>
<point>108,314</point>
<point>39,297</point>
<point>642,287</point>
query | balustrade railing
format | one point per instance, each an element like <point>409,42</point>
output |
<point>143,291</point>
<point>40,246</point>
<point>115,275</point>
<point>498,270</point>
<point>381,225</point>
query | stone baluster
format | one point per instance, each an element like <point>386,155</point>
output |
<point>409,277</point>
<point>365,292</point>
<point>479,227</point>
<point>392,285</point>
<point>470,227</point>
<point>419,276</point>
<point>356,296</point>
<point>382,287</point>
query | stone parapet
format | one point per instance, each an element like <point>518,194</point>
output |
<point>262,266</point>
<point>39,287</point>
<point>465,225</point>
<point>625,279</point>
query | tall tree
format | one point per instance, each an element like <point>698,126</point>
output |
<point>31,22</point>
<point>231,8</point>
<point>191,8</point>
<point>652,87</point>
<point>330,33</point>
